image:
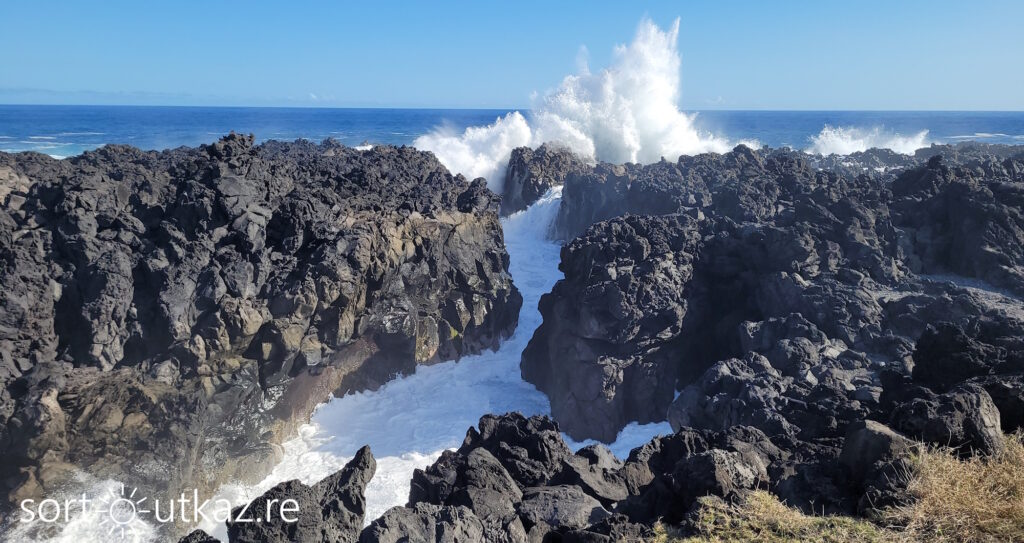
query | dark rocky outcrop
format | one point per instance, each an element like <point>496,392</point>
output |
<point>532,172</point>
<point>964,418</point>
<point>774,294</point>
<point>964,219</point>
<point>199,536</point>
<point>332,510</point>
<point>586,496</point>
<point>425,523</point>
<point>168,316</point>
<point>605,354</point>
<point>841,314</point>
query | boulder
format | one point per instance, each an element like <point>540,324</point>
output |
<point>531,449</point>
<point>424,523</point>
<point>563,505</point>
<point>869,443</point>
<point>964,418</point>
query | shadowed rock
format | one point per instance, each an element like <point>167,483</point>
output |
<point>329,511</point>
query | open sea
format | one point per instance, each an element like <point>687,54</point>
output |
<point>64,131</point>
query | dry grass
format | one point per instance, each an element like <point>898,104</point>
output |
<point>762,517</point>
<point>973,500</point>
<point>977,500</point>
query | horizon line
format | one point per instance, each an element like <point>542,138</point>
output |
<point>505,109</point>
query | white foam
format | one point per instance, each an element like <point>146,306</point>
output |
<point>409,421</point>
<point>626,112</point>
<point>86,524</point>
<point>843,140</point>
<point>479,151</point>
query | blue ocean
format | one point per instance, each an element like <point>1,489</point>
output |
<point>64,131</point>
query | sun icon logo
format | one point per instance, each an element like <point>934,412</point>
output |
<point>121,512</point>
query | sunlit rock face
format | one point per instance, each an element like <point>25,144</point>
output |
<point>169,316</point>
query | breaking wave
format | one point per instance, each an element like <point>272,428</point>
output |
<point>842,140</point>
<point>626,112</point>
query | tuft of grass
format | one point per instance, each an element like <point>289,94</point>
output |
<point>763,518</point>
<point>949,499</point>
<point>974,500</point>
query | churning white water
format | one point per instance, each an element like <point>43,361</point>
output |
<point>843,140</point>
<point>408,422</point>
<point>626,112</point>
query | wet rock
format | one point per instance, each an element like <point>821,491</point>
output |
<point>532,172</point>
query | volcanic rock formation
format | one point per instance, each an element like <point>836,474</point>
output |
<point>773,294</point>
<point>168,317</point>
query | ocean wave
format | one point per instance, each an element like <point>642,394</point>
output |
<point>985,135</point>
<point>42,137</point>
<point>843,140</point>
<point>626,112</point>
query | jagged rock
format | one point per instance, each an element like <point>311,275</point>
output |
<point>1007,393</point>
<point>613,529</point>
<point>329,511</point>
<point>868,443</point>
<point>424,523</point>
<point>477,481</point>
<point>945,355</point>
<point>665,476</point>
<point>604,353</point>
<point>962,220</point>
<point>875,458</point>
<point>812,269</point>
<point>563,505</point>
<point>199,536</point>
<point>717,472</point>
<point>531,449</point>
<point>596,470</point>
<point>214,296</point>
<point>964,418</point>
<point>532,172</point>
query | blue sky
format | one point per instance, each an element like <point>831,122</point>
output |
<point>735,55</point>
